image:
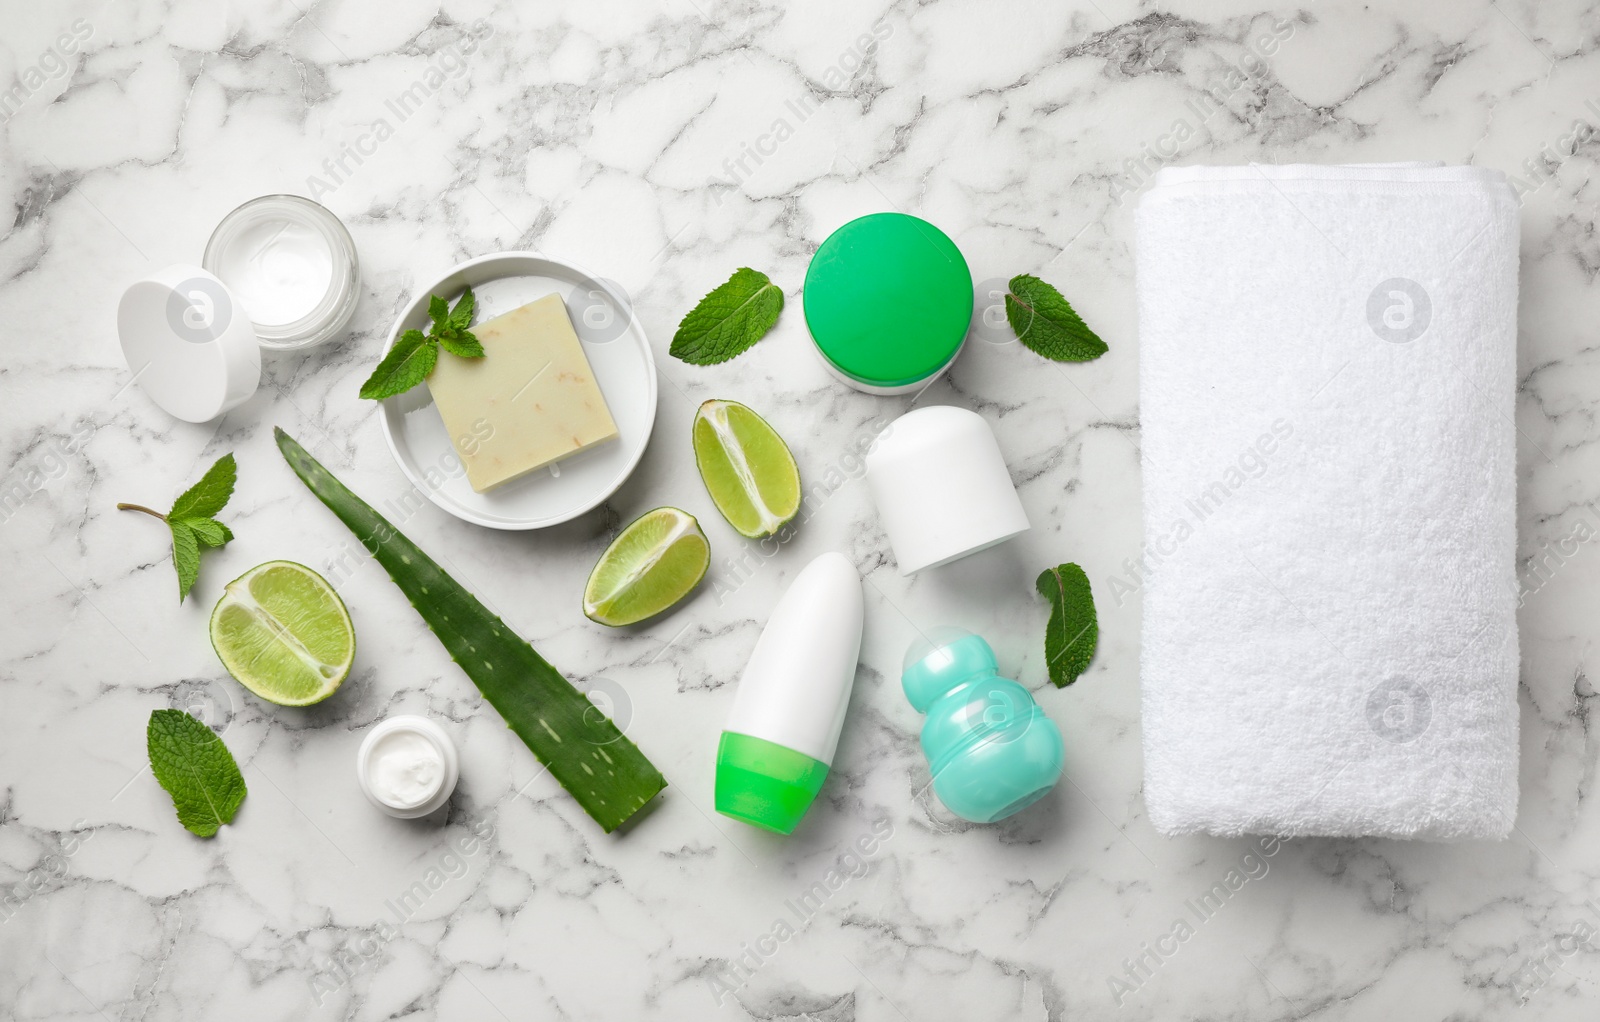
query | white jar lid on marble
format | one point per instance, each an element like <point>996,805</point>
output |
<point>188,343</point>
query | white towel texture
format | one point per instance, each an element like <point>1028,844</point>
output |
<point>1327,380</point>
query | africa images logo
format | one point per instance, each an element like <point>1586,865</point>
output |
<point>1399,310</point>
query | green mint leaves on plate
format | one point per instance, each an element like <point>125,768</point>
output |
<point>450,325</point>
<point>415,354</point>
<point>197,770</point>
<point>730,319</point>
<point>193,520</point>
<point>1046,323</point>
<point>1073,631</point>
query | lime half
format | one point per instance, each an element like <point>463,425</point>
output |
<point>653,564</point>
<point>283,632</point>
<point>747,468</point>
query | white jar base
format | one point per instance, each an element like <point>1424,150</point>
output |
<point>870,388</point>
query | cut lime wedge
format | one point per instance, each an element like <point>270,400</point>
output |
<point>283,632</point>
<point>747,468</point>
<point>652,565</point>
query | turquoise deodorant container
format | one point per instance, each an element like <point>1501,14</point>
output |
<point>990,747</point>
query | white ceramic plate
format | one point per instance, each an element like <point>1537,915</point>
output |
<point>624,367</point>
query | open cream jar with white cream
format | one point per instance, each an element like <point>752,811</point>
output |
<point>291,265</point>
<point>407,766</point>
<point>280,274</point>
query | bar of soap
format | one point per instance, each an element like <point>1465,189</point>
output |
<point>529,402</point>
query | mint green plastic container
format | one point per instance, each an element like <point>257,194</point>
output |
<point>888,299</point>
<point>991,749</point>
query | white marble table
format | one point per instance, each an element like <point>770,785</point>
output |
<point>665,145</point>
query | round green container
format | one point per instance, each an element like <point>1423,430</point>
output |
<point>888,299</point>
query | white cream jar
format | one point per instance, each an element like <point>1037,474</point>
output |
<point>407,766</point>
<point>292,266</point>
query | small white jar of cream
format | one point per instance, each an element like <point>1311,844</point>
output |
<point>279,274</point>
<point>407,766</point>
<point>291,264</point>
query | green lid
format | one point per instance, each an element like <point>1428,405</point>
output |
<point>765,784</point>
<point>888,299</point>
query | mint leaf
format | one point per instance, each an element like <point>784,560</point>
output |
<point>1072,632</point>
<point>185,556</point>
<point>408,363</point>
<point>210,495</point>
<point>207,530</point>
<point>461,315</point>
<point>191,521</point>
<point>729,320</point>
<point>461,344</point>
<point>415,354</point>
<point>1047,325</point>
<point>197,770</point>
<point>438,311</point>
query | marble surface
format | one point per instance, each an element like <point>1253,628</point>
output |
<point>664,145</point>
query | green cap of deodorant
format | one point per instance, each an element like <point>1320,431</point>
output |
<point>888,299</point>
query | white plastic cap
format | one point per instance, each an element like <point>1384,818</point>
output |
<point>188,343</point>
<point>942,487</point>
<point>796,686</point>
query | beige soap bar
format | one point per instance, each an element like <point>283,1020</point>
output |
<point>530,401</point>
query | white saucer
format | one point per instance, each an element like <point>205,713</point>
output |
<point>624,367</point>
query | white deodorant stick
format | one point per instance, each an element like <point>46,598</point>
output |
<point>942,487</point>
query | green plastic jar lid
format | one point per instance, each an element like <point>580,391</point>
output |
<point>888,299</point>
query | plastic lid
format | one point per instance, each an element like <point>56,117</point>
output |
<point>765,784</point>
<point>188,343</point>
<point>888,299</point>
<point>939,660</point>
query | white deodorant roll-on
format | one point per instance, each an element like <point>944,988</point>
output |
<point>942,487</point>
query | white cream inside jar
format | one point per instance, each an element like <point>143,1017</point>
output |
<point>279,271</point>
<point>404,768</point>
<point>291,265</point>
<point>407,766</point>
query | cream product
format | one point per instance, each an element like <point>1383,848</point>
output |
<point>942,488</point>
<point>407,766</point>
<point>888,299</point>
<point>188,344</point>
<point>292,266</point>
<point>279,273</point>
<point>789,709</point>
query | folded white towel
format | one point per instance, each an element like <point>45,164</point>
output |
<point>1327,379</point>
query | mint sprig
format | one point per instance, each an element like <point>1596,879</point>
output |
<point>1073,631</point>
<point>407,364</point>
<point>415,354</point>
<point>193,521</point>
<point>730,319</point>
<point>1046,323</point>
<point>197,770</point>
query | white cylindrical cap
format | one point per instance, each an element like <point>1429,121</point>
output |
<point>796,686</point>
<point>942,487</point>
<point>188,343</point>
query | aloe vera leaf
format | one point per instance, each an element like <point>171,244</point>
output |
<point>597,764</point>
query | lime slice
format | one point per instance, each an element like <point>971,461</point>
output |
<point>653,564</point>
<point>747,468</point>
<point>284,633</point>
